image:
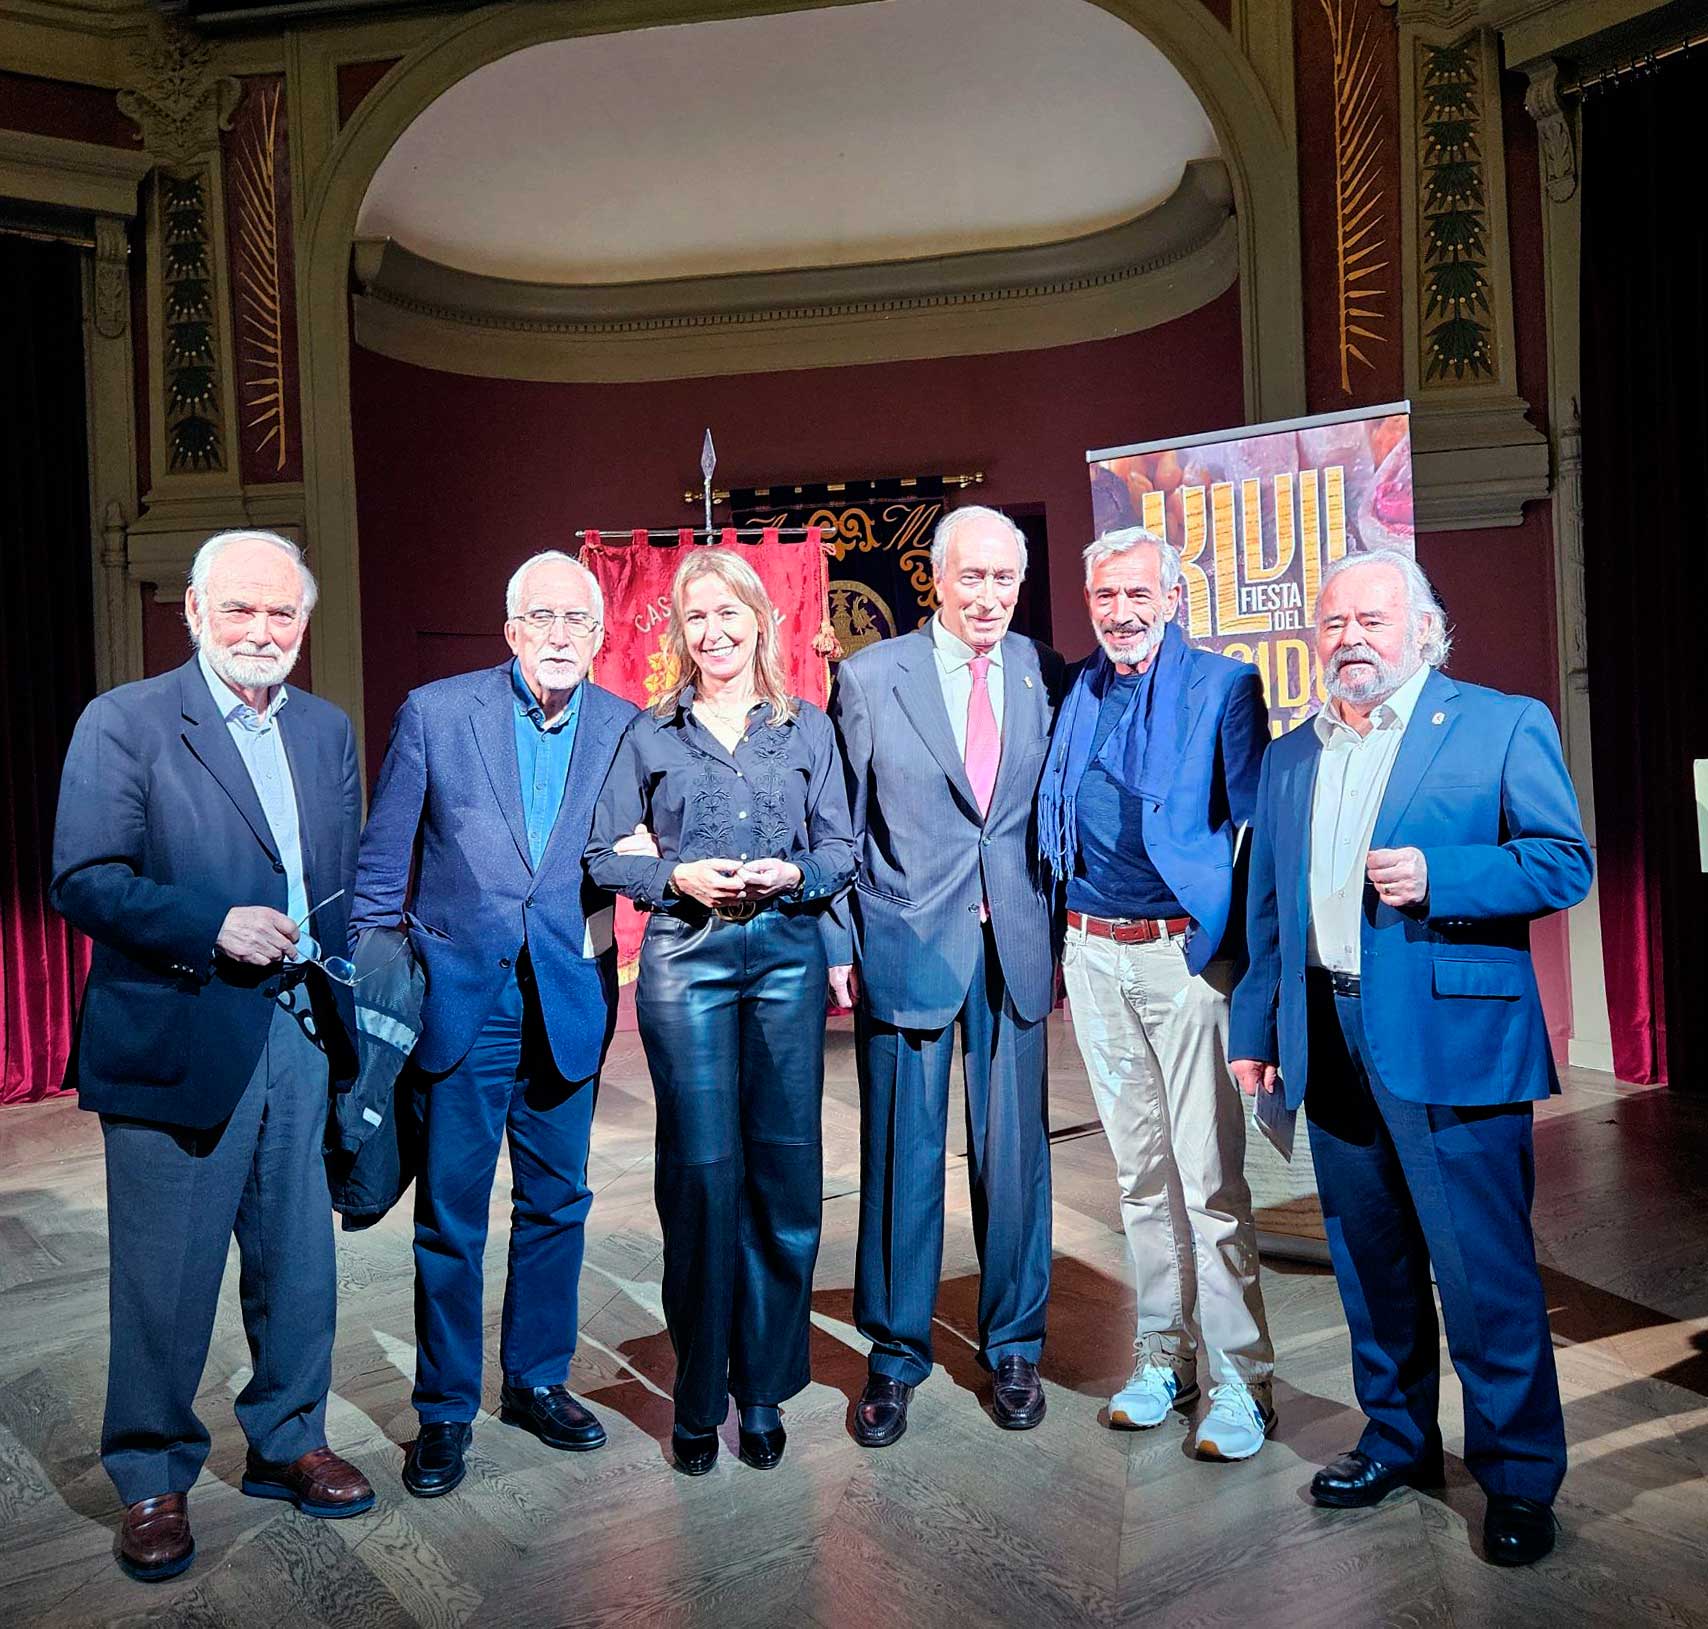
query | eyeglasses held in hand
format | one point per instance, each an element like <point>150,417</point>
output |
<point>578,623</point>
<point>340,969</point>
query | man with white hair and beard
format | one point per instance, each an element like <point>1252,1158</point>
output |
<point>1405,840</point>
<point>206,842</point>
<point>1152,774</point>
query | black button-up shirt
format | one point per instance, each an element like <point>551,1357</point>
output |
<point>781,795</point>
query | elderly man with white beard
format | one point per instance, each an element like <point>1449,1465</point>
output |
<point>206,842</point>
<point>1405,839</point>
<point>1152,773</point>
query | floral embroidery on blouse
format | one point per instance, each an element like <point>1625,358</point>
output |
<point>771,821</point>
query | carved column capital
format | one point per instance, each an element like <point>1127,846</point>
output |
<point>178,102</point>
<point>1553,127</point>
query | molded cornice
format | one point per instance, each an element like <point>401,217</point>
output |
<point>1157,266</point>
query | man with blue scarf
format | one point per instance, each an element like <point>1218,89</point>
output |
<point>1152,776</point>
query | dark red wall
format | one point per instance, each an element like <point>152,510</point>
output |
<point>458,479</point>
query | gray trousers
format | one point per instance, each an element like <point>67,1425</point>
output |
<point>174,1199</point>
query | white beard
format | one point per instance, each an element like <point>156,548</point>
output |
<point>253,671</point>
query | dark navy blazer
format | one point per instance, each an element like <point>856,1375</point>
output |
<point>450,797</point>
<point>1451,1010</point>
<point>159,835</point>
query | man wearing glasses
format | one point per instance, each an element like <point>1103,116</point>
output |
<point>489,781</point>
<point>199,814</point>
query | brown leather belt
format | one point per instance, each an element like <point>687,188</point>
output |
<point>1128,933</point>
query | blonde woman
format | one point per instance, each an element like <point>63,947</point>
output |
<point>741,786</point>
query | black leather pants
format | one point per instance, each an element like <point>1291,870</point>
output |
<point>732,1018</point>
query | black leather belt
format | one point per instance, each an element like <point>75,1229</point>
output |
<point>1343,984</point>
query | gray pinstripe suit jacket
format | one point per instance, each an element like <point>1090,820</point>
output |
<point>925,857</point>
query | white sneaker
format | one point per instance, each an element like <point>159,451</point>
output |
<point>1236,1423</point>
<point>1146,1399</point>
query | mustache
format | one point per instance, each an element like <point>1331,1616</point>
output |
<point>1353,653</point>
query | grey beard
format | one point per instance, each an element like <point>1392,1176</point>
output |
<point>1149,645</point>
<point>1388,677</point>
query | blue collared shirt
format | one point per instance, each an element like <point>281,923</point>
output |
<point>542,759</point>
<point>262,749</point>
<point>1113,875</point>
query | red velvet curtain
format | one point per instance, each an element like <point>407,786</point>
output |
<point>46,645</point>
<point>1645,439</point>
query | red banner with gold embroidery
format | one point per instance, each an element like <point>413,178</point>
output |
<point>635,576</point>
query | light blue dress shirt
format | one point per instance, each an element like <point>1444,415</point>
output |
<point>542,759</point>
<point>262,749</point>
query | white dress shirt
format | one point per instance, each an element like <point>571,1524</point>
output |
<point>955,673</point>
<point>1352,776</point>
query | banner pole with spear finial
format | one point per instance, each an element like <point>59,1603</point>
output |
<point>708,463</point>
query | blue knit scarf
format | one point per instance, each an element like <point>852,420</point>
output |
<point>1127,755</point>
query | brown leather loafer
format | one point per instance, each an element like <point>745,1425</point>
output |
<point>318,1484</point>
<point>155,1541</point>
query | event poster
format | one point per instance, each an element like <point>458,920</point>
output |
<point>634,575</point>
<point>1257,515</point>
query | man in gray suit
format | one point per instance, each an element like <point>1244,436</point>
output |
<point>945,731</point>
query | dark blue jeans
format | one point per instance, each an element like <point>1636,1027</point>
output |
<point>506,1084</point>
<point>1406,1185</point>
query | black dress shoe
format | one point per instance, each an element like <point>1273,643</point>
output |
<point>434,1464</point>
<point>552,1415</point>
<point>1017,1398</point>
<point>1517,1531</point>
<point>695,1452</point>
<point>1356,1480</point>
<point>763,1450</point>
<point>880,1416</point>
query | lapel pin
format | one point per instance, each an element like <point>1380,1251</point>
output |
<point>1440,718</point>
<point>1028,678</point>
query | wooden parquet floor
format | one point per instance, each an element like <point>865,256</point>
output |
<point>960,1524</point>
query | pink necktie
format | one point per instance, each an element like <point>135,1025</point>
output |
<point>984,746</point>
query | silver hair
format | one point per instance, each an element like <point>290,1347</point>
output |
<point>956,519</point>
<point>201,568</point>
<point>513,589</point>
<point>1125,541</point>
<point>1421,600</point>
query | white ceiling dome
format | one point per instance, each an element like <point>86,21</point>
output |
<point>831,137</point>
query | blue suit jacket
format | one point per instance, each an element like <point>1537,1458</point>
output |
<point>1451,1010</point>
<point>1216,753</point>
<point>450,797</point>
<point>159,834</point>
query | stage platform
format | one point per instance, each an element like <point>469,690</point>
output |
<point>960,1525</point>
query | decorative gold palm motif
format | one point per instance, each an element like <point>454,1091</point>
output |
<point>1358,192</point>
<point>258,282</point>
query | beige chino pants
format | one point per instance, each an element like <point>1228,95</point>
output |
<point>1154,1039</point>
